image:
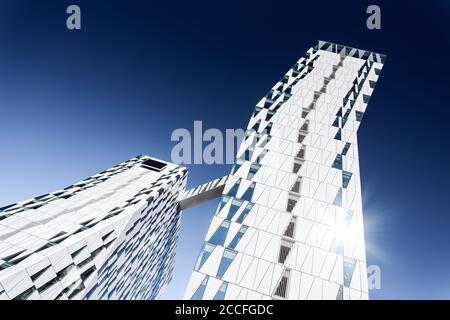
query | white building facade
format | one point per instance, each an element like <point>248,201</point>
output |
<point>290,222</point>
<point>111,236</point>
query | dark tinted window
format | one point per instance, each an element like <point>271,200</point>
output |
<point>154,164</point>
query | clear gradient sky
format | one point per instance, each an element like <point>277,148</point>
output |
<point>73,103</point>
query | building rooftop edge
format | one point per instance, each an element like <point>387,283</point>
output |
<point>32,202</point>
<point>351,51</point>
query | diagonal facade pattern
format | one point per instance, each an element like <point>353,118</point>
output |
<point>290,223</point>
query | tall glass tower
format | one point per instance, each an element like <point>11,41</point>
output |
<point>290,222</point>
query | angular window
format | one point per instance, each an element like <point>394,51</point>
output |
<point>261,143</point>
<point>90,292</point>
<point>305,113</point>
<point>77,252</point>
<point>253,170</point>
<point>340,294</point>
<point>222,203</point>
<point>291,204</point>
<point>220,295</point>
<point>65,271</point>
<point>279,104</point>
<point>256,125</point>
<point>366,98</point>
<point>338,199</point>
<point>336,122</point>
<point>12,256</point>
<point>227,259</point>
<point>269,115</point>
<point>305,126</point>
<point>346,176</point>
<point>282,288</point>
<point>247,155</point>
<point>86,274</point>
<point>296,187</point>
<point>256,111</point>
<point>204,255</point>
<point>268,128</point>
<point>337,164</point>
<point>289,232</point>
<point>346,147</point>
<point>220,234</point>
<point>269,101</point>
<point>47,285</point>
<point>232,192</point>
<point>236,166</point>
<point>237,237</point>
<point>285,249</point>
<point>338,135</point>
<point>301,137</point>
<point>301,153</point>
<point>359,115</point>
<point>27,293</point>
<point>347,113</point>
<point>248,194</point>
<point>349,267</point>
<point>235,205</point>
<point>316,95</point>
<point>297,166</point>
<point>248,133</point>
<point>292,201</point>
<point>198,294</point>
<point>244,213</point>
<point>261,156</point>
<point>39,273</point>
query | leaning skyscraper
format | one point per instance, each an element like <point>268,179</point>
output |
<point>290,223</point>
<point>110,236</point>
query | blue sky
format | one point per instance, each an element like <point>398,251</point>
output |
<point>75,103</point>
